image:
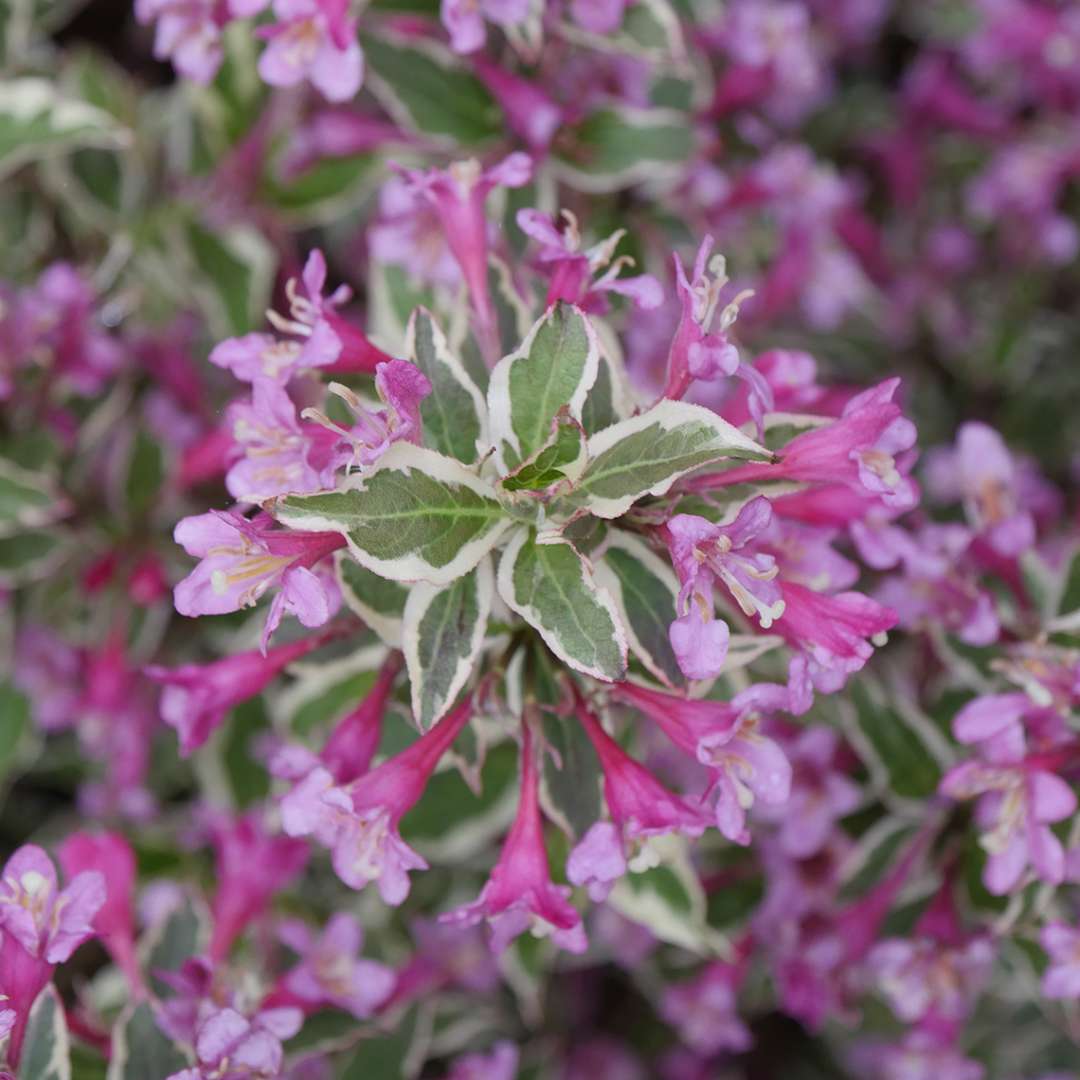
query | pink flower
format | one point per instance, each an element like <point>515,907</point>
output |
<point>42,926</point>
<point>1018,802</point>
<point>242,559</point>
<point>520,894</point>
<point>464,19</point>
<point>458,195</point>
<point>251,867</point>
<point>1062,977</point>
<point>280,456</point>
<point>704,1010</point>
<point>703,553</point>
<point>573,271</point>
<point>529,110</point>
<point>499,1063</point>
<point>697,352</point>
<point>408,232</point>
<point>359,821</point>
<point>48,670</point>
<point>228,1044</point>
<point>919,1055</point>
<point>744,764</point>
<point>859,450</point>
<point>188,32</point>
<point>640,807</point>
<point>197,696</point>
<point>313,40</point>
<point>112,856</point>
<point>330,972</point>
<point>401,386</point>
<point>834,631</point>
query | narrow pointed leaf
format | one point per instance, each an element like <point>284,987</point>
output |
<point>46,1051</point>
<point>139,1049</point>
<point>454,413</point>
<point>444,631</point>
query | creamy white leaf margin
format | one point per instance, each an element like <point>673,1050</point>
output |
<point>499,404</point>
<point>668,415</point>
<point>388,627</point>
<point>404,457</point>
<point>449,359</point>
<point>419,603</point>
<point>607,577</point>
<point>505,583</point>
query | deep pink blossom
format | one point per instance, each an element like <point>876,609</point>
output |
<point>464,19</point>
<point>519,894</point>
<point>359,821</point>
<point>230,1046</point>
<point>704,1010</point>
<point>1062,977</point>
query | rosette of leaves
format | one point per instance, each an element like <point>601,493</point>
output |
<point>520,515</point>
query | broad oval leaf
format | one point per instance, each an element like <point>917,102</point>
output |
<point>551,587</point>
<point>646,454</point>
<point>555,367</point>
<point>645,590</point>
<point>444,630</point>
<point>46,1053</point>
<point>27,498</point>
<point>418,517</point>
<point>454,413</point>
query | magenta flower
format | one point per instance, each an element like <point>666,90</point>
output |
<point>744,764</point>
<point>196,697</point>
<point>860,450</point>
<point>359,822</point>
<point>280,456</point>
<point>313,40</point>
<point>704,1010</point>
<point>519,894</point>
<point>408,232</point>
<point>230,1046</point>
<point>923,977</point>
<point>251,868</point>
<point>42,926</point>
<point>1062,977</point>
<point>703,553</point>
<point>331,972</point>
<point>464,20</point>
<point>640,807</point>
<point>820,794</point>
<point>835,632</point>
<point>352,744</point>
<point>573,272</point>
<point>1018,802</point>
<point>458,195</point>
<point>242,559</point>
<point>48,670</point>
<point>697,352</point>
<point>529,110</point>
<point>499,1063</point>
<point>188,32</point>
<point>401,386</point>
<point>111,855</point>
<point>919,1055</point>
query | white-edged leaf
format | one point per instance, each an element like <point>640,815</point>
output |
<point>555,366</point>
<point>419,516</point>
<point>38,120</point>
<point>27,498</point>
<point>139,1049</point>
<point>646,454</point>
<point>444,629</point>
<point>379,601</point>
<point>668,898</point>
<point>561,460</point>
<point>551,587</point>
<point>31,554</point>
<point>46,1053</point>
<point>744,649</point>
<point>645,590</point>
<point>454,414</point>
